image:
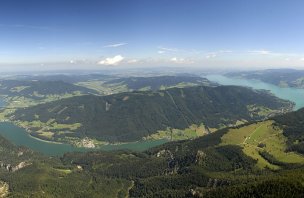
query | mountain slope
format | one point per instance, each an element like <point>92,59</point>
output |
<point>292,124</point>
<point>215,165</point>
<point>132,116</point>
<point>24,173</point>
<point>160,82</point>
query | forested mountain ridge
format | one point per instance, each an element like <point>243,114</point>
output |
<point>118,84</point>
<point>293,124</point>
<point>160,82</point>
<point>131,116</point>
<point>39,89</point>
<point>279,77</point>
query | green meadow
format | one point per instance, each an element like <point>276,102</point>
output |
<point>262,137</point>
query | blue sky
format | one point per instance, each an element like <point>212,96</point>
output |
<point>141,33</point>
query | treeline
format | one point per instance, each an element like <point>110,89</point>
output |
<point>292,124</point>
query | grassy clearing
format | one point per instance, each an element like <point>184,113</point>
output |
<point>18,89</point>
<point>48,129</point>
<point>193,131</point>
<point>48,135</point>
<point>66,171</point>
<point>179,85</point>
<point>262,136</point>
<point>104,89</point>
<point>50,125</point>
<point>21,101</point>
<point>260,110</point>
<point>4,114</point>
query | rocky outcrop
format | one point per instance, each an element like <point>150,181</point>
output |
<point>200,157</point>
<point>3,189</point>
<point>12,168</point>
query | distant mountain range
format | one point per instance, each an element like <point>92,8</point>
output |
<point>35,89</point>
<point>279,77</point>
<point>160,82</point>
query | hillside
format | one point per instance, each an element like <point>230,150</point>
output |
<point>39,89</point>
<point>279,77</point>
<point>24,93</point>
<point>292,124</point>
<point>216,165</point>
<point>24,173</point>
<point>132,116</point>
<point>250,160</point>
<point>160,82</point>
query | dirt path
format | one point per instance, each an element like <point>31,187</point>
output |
<point>129,188</point>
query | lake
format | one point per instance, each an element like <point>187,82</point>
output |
<point>293,94</point>
<point>20,137</point>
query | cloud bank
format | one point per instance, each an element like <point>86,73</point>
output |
<point>115,45</point>
<point>112,60</point>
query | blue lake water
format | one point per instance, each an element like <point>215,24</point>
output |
<point>20,137</point>
<point>293,94</point>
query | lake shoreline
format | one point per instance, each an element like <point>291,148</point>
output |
<point>20,137</point>
<point>295,95</point>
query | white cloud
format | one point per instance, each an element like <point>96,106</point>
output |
<point>225,51</point>
<point>112,60</point>
<point>261,52</point>
<point>181,60</point>
<point>163,50</point>
<point>211,55</point>
<point>72,61</point>
<point>115,45</point>
<point>302,59</point>
<point>217,53</point>
<point>174,59</point>
<point>133,61</point>
<point>168,49</point>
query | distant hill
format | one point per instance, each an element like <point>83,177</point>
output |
<point>160,82</point>
<point>131,116</point>
<point>68,78</point>
<point>279,77</point>
<point>38,89</point>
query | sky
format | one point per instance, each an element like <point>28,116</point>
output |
<point>93,34</point>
